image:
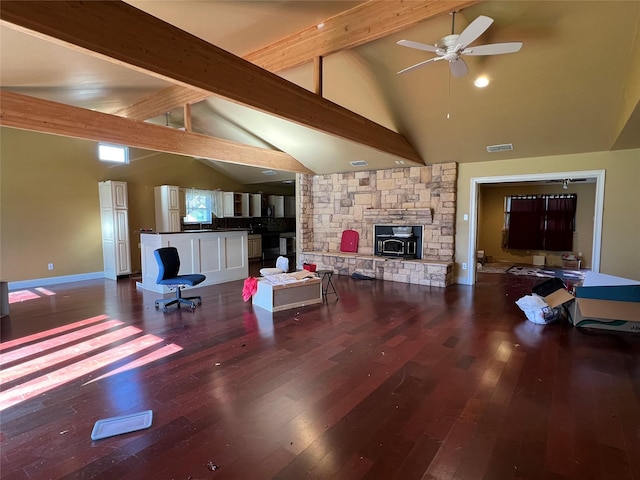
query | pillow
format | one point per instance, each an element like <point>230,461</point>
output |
<point>270,271</point>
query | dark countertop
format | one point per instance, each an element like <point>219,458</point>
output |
<point>217,230</point>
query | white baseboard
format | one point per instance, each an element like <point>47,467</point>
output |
<point>41,282</point>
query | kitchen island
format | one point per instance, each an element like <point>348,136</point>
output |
<point>220,255</point>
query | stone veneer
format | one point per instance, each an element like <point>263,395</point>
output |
<point>419,272</point>
<point>330,204</point>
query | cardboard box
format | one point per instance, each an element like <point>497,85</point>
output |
<point>539,260</point>
<point>543,307</point>
<point>607,302</point>
<point>571,264</point>
<point>571,261</point>
<point>558,298</point>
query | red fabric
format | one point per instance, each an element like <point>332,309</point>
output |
<point>250,287</point>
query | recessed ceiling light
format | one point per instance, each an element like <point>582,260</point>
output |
<point>481,82</point>
<point>399,162</point>
<point>320,25</point>
<point>268,172</point>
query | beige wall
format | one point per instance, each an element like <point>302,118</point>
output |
<point>620,254</point>
<point>49,210</point>
<point>49,201</point>
<point>491,221</point>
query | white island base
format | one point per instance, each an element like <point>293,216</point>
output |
<point>221,256</point>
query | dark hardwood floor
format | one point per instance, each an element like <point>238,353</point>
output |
<point>391,381</point>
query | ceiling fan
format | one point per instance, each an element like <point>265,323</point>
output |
<point>453,46</point>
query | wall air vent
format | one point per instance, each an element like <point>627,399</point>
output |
<point>268,172</point>
<point>359,163</point>
<point>505,147</point>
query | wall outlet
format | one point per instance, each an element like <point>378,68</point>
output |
<point>50,266</point>
<point>464,266</point>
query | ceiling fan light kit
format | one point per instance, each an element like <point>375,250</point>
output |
<point>481,81</point>
<point>452,47</point>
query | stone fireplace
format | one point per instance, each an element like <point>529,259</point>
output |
<point>420,197</point>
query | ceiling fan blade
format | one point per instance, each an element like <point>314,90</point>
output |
<point>458,67</point>
<point>417,45</point>
<point>474,30</point>
<point>493,49</point>
<point>418,65</point>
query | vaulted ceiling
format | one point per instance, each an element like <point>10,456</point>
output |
<point>258,85</point>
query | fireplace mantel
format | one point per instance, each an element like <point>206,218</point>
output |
<point>398,216</point>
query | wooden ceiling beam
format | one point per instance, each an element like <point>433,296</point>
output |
<point>118,32</point>
<point>364,23</point>
<point>28,113</point>
<point>359,25</point>
<point>163,101</point>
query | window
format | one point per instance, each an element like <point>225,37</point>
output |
<point>198,206</point>
<point>113,153</point>
<point>540,222</point>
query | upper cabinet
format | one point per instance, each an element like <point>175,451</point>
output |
<point>245,204</point>
<point>255,205</point>
<point>235,204</point>
<point>217,203</point>
<point>113,194</point>
<point>290,206</point>
<point>182,201</point>
<point>167,199</point>
<point>277,203</point>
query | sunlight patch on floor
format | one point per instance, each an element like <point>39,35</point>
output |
<point>26,357</point>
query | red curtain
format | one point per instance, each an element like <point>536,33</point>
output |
<point>561,213</point>
<point>542,222</point>
<point>526,223</point>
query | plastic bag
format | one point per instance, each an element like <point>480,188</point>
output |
<point>537,310</point>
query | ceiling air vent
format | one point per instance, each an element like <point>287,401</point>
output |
<point>359,163</point>
<point>505,147</point>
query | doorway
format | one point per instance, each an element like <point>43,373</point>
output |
<point>476,182</point>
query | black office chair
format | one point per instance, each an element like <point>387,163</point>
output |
<point>168,268</point>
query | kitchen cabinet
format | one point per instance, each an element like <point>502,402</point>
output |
<point>114,220</point>
<point>167,199</point>
<point>287,243</point>
<point>255,205</point>
<point>235,204</point>
<point>245,204</point>
<point>277,203</point>
<point>217,203</point>
<point>254,248</point>
<point>290,206</point>
<point>182,202</point>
